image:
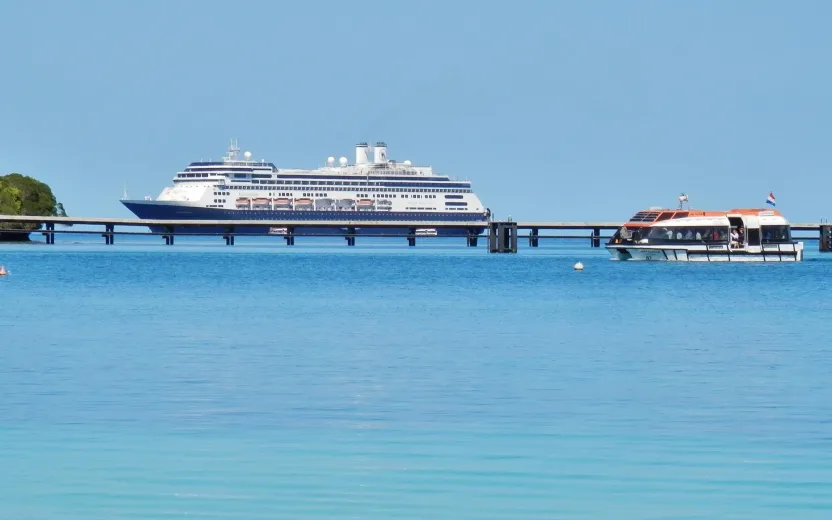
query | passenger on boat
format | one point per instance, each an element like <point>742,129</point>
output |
<point>735,238</point>
<point>636,235</point>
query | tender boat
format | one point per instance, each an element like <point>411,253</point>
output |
<point>738,235</point>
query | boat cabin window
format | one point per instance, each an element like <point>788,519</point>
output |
<point>688,234</point>
<point>667,215</point>
<point>776,234</point>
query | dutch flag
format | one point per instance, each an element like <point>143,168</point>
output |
<point>770,199</point>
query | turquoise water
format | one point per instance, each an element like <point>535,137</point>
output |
<point>139,381</point>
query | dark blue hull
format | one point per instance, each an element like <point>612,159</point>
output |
<point>169,211</point>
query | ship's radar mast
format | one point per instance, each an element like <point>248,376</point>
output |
<point>232,151</point>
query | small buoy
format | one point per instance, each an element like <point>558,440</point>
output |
<point>579,266</point>
<point>3,270</point>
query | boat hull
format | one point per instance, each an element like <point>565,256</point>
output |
<point>768,253</point>
<point>158,210</point>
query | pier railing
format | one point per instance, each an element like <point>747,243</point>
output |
<point>502,236</point>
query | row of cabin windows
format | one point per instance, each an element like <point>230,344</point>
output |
<point>219,205</point>
<point>312,194</point>
<point>449,204</point>
<point>411,184</point>
<point>281,181</point>
<point>384,190</point>
<point>428,183</point>
<point>395,186</point>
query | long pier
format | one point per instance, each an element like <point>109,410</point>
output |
<point>502,236</point>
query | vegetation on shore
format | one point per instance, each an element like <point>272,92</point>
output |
<point>23,195</point>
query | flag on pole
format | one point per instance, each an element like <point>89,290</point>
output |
<point>770,199</point>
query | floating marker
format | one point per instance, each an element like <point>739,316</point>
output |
<point>578,267</point>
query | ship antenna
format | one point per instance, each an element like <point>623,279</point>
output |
<point>232,150</point>
<point>124,197</point>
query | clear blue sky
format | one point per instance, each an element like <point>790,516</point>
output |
<point>556,110</point>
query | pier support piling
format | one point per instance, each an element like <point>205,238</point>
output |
<point>229,236</point>
<point>49,234</point>
<point>825,242</point>
<point>411,237</point>
<point>290,236</point>
<point>534,241</point>
<point>472,238</point>
<point>109,237</point>
<point>596,237</point>
<point>503,237</point>
<point>168,236</point>
<point>350,238</point>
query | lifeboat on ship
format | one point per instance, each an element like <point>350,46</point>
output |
<point>304,204</point>
<point>737,235</point>
<point>366,204</point>
<point>282,203</point>
<point>243,203</point>
<point>261,203</point>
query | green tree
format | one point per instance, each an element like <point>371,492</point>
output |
<point>10,203</point>
<point>23,195</point>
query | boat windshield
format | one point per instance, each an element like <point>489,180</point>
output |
<point>677,234</point>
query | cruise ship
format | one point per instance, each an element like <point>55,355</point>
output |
<point>371,189</point>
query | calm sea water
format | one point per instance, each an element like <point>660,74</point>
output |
<point>139,381</point>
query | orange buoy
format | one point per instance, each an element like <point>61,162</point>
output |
<point>3,270</point>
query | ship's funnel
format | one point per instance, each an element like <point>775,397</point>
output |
<point>380,153</point>
<point>362,153</point>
